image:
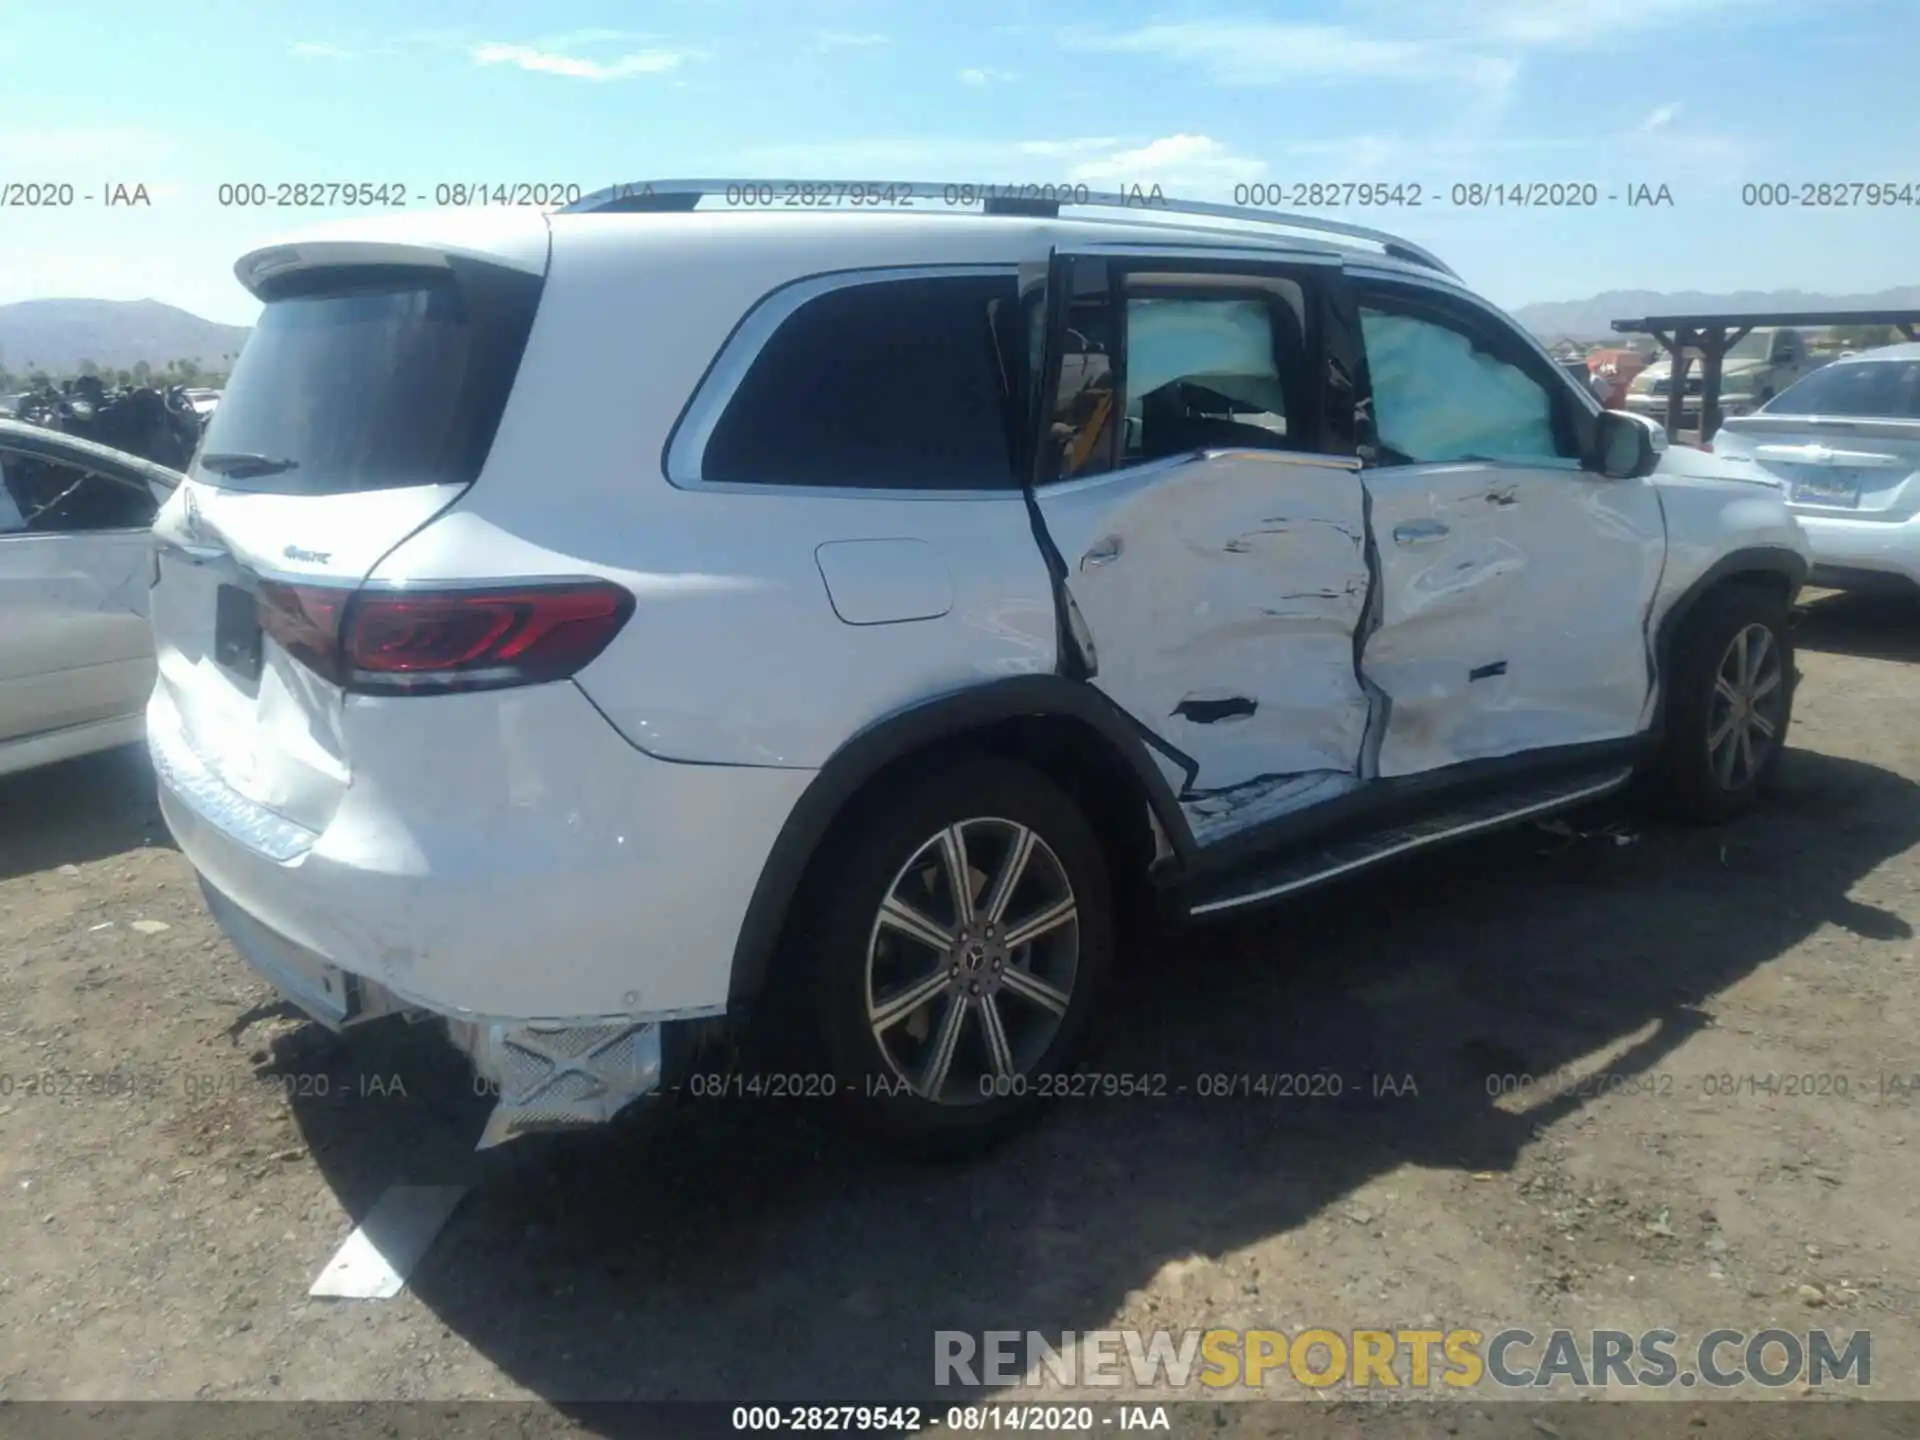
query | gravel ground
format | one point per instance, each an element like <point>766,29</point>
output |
<point>159,1244</point>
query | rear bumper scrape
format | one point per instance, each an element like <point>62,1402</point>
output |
<point>559,1077</point>
<point>544,1075</point>
<point>182,773</point>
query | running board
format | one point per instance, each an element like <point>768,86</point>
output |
<point>1300,871</point>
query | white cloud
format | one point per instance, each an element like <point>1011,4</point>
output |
<point>1262,52</point>
<point>87,145</point>
<point>1479,45</point>
<point>1659,118</point>
<point>1060,149</point>
<point>1181,165</point>
<point>1580,24</point>
<point>572,39</point>
<point>986,77</point>
<point>574,67</point>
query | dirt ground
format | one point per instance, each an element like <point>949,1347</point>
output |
<point>159,1243</point>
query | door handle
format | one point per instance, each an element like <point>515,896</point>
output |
<point>1420,532</point>
<point>1107,550</point>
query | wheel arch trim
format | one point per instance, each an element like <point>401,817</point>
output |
<point>897,737</point>
<point>1752,560</point>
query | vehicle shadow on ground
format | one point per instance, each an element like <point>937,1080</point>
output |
<point>79,810</point>
<point>1870,626</point>
<point>721,1249</point>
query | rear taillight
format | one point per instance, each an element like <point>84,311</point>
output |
<point>431,641</point>
<point>304,620</point>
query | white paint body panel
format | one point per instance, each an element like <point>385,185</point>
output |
<point>1514,602</point>
<point>735,655</point>
<point>1713,508</point>
<point>504,856</point>
<point>1237,578</point>
<point>885,582</point>
<point>1891,550</point>
<point>76,654</point>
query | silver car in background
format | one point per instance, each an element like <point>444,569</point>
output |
<point>1845,443</point>
<point>76,651</point>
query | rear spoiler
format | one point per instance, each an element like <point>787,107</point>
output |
<point>427,240</point>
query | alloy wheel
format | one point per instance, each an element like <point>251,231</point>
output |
<point>1748,707</point>
<point>971,961</point>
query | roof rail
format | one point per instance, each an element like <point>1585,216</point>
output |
<point>660,196</point>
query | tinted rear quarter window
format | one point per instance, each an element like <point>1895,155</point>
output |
<point>886,384</point>
<point>371,379</point>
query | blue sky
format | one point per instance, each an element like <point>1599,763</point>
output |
<point>1699,95</point>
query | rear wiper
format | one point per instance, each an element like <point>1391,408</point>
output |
<point>244,463</point>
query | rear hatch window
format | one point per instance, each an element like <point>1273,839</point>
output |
<point>371,380</point>
<point>1862,389</point>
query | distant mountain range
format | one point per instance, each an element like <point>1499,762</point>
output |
<point>56,335</point>
<point>1593,319</point>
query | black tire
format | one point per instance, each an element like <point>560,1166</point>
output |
<point>875,1084</point>
<point>1694,780</point>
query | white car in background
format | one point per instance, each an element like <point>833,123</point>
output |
<point>76,650</point>
<point>1845,443</point>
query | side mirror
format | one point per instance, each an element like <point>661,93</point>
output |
<point>1626,446</point>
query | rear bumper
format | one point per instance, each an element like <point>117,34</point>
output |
<point>497,858</point>
<point>1848,554</point>
<point>545,1077</point>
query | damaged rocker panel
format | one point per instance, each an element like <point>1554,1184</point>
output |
<point>1215,815</point>
<point>1302,871</point>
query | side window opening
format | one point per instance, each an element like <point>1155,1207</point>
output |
<point>908,384</point>
<point>1201,361</point>
<point>1214,368</point>
<point>47,496</point>
<point>1443,392</point>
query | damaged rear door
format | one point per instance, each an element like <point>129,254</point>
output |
<point>1197,480</point>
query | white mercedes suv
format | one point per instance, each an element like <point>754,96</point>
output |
<point>604,629</point>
